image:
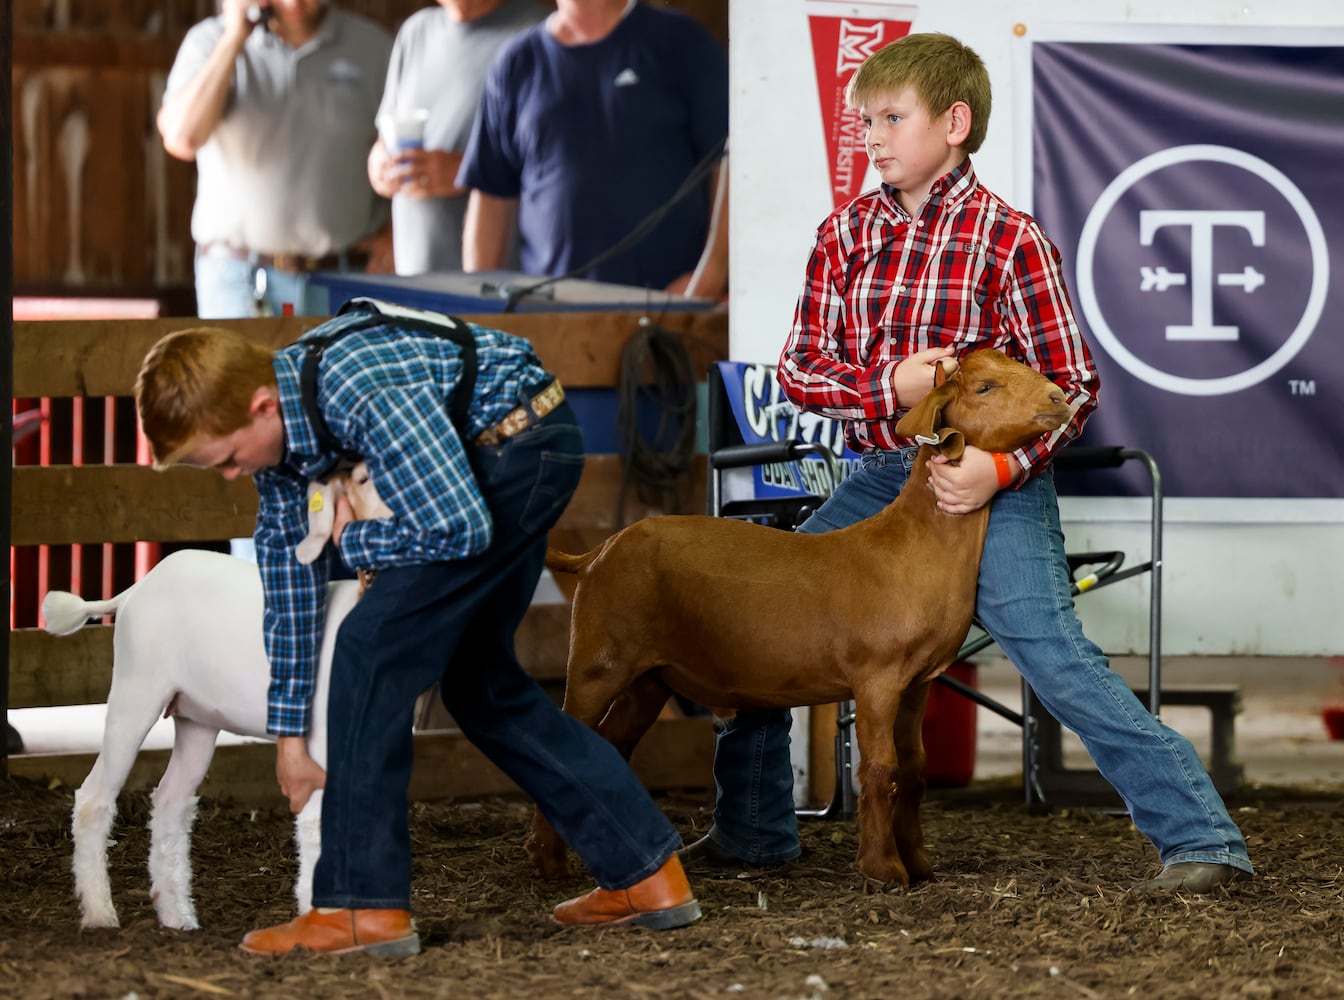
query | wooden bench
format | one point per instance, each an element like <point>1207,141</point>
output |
<point>1059,784</point>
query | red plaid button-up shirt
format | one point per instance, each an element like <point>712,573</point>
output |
<point>968,272</point>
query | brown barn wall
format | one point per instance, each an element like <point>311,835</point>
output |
<point>99,207</point>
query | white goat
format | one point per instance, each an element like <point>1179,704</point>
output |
<point>188,643</point>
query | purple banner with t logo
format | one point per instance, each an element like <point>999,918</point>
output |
<point>1196,193</point>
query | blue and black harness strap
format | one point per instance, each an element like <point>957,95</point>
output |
<point>415,321</point>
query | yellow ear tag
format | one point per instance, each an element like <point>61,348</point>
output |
<point>315,504</point>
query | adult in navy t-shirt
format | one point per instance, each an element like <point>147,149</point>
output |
<point>585,135</point>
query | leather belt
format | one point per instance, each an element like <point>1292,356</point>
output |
<point>524,416</point>
<point>291,263</point>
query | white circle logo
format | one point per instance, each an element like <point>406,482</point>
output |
<point>1087,293</point>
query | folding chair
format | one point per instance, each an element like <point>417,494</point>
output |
<point>1047,780</point>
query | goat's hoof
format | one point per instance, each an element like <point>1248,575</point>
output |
<point>550,863</point>
<point>100,922</point>
<point>886,877</point>
<point>919,868</point>
<point>873,886</point>
<point>551,869</point>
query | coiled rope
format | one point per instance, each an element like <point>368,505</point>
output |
<point>655,370</point>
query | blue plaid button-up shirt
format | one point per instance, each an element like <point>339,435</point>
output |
<point>385,394</point>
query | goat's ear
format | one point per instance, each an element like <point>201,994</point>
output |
<point>321,517</point>
<point>942,370</point>
<point>951,445</point>
<point>924,421</point>
<point>925,418</point>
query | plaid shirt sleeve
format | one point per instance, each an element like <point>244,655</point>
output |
<point>295,601</point>
<point>1035,312</point>
<point>422,473</point>
<point>813,366</point>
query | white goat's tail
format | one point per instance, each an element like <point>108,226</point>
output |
<point>65,613</point>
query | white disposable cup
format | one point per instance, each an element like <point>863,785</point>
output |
<point>403,129</point>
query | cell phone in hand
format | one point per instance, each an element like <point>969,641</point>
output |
<point>260,14</point>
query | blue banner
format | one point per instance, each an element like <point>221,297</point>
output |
<point>1195,193</point>
<point>763,415</point>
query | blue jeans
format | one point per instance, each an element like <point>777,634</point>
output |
<point>226,289</point>
<point>1024,602</point>
<point>454,622</point>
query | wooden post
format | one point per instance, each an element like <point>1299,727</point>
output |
<point>7,324</point>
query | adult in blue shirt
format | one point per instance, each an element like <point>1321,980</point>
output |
<point>590,122</point>
<point>471,445</point>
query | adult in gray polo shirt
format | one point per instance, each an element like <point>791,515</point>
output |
<point>278,117</point>
<point>439,64</point>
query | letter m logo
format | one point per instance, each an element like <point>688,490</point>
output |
<point>857,43</point>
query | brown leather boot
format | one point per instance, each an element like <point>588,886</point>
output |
<point>339,932</point>
<point>660,902</point>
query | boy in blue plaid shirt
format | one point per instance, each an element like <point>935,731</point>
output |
<point>472,500</point>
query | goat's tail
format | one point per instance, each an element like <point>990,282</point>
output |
<point>65,613</point>
<point>563,562</point>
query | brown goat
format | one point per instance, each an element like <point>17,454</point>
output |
<point>734,615</point>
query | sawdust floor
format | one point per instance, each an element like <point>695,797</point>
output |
<point>1024,905</point>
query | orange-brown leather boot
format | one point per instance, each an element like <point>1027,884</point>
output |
<point>662,901</point>
<point>339,932</point>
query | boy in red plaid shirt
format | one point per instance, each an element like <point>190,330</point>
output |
<point>921,271</point>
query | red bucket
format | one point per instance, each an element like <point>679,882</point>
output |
<point>1333,717</point>
<point>950,731</point>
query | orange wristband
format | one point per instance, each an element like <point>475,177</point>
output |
<point>1004,467</point>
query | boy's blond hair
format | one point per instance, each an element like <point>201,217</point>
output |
<point>198,383</point>
<point>938,68</point>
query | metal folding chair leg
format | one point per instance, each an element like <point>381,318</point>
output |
<point>841,805</point>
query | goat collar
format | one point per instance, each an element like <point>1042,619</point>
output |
<point>947,440</point>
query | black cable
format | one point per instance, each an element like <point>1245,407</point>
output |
<point>693,180</point>
<point>659,469</point>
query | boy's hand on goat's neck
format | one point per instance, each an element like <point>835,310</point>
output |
<point>913,377</point>
<point>966,486</point>
<point>299,775</point>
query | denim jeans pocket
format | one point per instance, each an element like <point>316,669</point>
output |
<point>537,470</point>
<point>557,478</point>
